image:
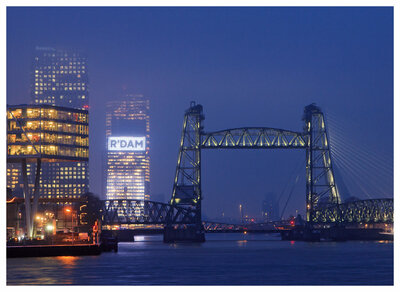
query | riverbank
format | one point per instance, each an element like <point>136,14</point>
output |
<point>52,250</point>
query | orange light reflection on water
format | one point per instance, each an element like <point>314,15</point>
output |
<point>68,261</point>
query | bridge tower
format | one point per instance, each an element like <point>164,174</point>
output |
<point>187,183</point>
<point>321,188</point>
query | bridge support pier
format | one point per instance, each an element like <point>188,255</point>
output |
<point>188,234</point>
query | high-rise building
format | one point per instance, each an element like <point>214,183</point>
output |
<point>127,169</point>
<point>270,207</point>
<point>58,78</point>
<point>52,134</point>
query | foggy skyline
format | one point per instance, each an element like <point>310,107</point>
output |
<point>246,66</point>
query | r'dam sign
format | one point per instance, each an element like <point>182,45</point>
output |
<point>126,143</point>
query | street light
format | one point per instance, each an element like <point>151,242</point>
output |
<point>68,210</point>
<point>241,212</point>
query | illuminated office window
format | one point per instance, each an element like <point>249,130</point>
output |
<point>48,132</point>
<point>127,172</point>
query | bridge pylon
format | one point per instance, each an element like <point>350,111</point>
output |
<point>321,190</point>
<point>187,183</point>
<point>320,182</point>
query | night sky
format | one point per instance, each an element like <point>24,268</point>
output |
<point>247,67</point>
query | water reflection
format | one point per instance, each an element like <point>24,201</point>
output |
<point>234,258</point>
<point>68,261</point>
<point>140,238</point>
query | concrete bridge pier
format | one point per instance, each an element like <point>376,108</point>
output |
<point>188,234</point>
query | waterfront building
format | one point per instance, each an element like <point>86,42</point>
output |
<point>44,136</point>
<point>127,167</point>
<point>58,78</point>
<point>60,135</point>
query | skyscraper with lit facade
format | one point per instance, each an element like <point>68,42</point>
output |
<point>58,78</point>
<point>53,134</point>
<point>127,166</point>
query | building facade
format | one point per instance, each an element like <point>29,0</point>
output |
<point>54,135</point>
<point>58,78</point>
<point>127,159</point>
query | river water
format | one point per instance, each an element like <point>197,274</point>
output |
<point>224,259</point>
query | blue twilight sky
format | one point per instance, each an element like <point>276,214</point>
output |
<point>247,67</point>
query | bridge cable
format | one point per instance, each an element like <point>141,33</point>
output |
<point>361,172</point>
<point>344,128</point>
<point>380,160</point>
<point>296,170</point>
<point>353,163</point>
<point>357,160</point>
<point>351,173</point>
<point>290,195</point>
<point>363,154</point>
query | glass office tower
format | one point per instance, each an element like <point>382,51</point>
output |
<point>127,166</point>
<point>53,134</point>
<point>58,78</point>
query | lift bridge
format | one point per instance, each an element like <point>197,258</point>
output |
<point>183,213</point>
<point>181,217</point>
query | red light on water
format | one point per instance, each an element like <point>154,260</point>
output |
<point>292,222</point>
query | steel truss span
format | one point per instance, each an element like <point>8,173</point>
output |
<point>365,211</point>
<point>216,226</point>
<point>320,182</point>
<point>115,212</point>
<point>253,138</point>
<point>118,212</point>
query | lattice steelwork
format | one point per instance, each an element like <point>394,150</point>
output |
<point>323,203</point>
<point>320,182</point>
<point>187,184</point>
<point>365,211</point>
<point>321,187</point>
<point>242,138</point>
<point>216,226</point>
<point>144,212</point>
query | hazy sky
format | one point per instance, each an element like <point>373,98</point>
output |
<point>247,67</point>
